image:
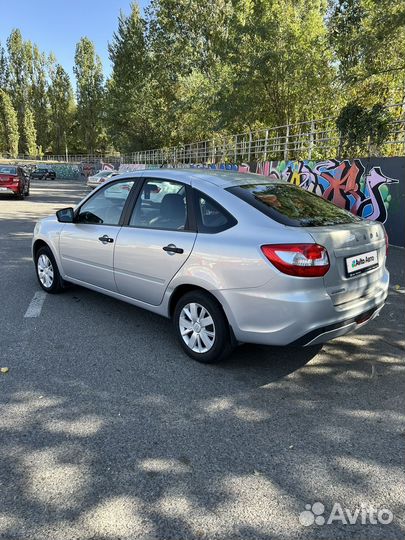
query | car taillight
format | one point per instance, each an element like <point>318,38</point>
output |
<point>300,260</point>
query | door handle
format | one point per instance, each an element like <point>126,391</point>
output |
<point>171,248</point>
<point>106,239</point>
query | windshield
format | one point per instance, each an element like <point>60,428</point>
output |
<point>7,170</point>
<point>104,173</point>
<point>292,205</point>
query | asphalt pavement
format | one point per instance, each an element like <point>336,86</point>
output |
<point>109,431</point>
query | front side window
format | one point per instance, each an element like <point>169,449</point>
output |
<point>161,204</point>
<point>292,205</point>
<point>106,206</point>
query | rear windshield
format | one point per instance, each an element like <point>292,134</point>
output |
<point>292,205</point>
<point>7,170</point>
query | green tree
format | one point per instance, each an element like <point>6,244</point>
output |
<point>344,22</point>
<point>29,133</point>
<point>60,96</point>
<point>89,93</point>
<point>134,110</point>
<point>280,62</point>
<point>39,96</point>
<point>188,43</point>
<point>19,75</point>
<point>368,38</point>
<point>9,136</point>
<point>3,68</point>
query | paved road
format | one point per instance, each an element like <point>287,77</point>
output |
<point>108,431</point>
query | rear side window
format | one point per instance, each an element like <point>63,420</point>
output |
<point>293,206</point>
<point>7,170</point>
<point>211,217</point>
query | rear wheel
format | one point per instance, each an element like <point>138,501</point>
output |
<point>202,328</point>
<point>47,271</point>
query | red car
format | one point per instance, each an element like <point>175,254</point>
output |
<point>14,181</point>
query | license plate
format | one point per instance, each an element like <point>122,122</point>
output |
<point>3,189</point>
<point>360,263</point>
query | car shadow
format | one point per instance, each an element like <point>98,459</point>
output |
<point>266,362</point>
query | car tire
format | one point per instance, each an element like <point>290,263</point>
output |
<point>47,271</point>
<point>20,196</point>
<point>205,342</point>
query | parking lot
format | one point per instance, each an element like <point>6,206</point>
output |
<point>109,431</point>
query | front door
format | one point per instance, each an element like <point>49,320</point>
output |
<point>156,243</point>
<point>87,246</point>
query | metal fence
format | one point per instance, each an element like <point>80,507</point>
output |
<point>315,139</point>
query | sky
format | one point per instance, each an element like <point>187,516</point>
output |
<point>57,25</point>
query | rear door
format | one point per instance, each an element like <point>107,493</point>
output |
<point>156,242</point>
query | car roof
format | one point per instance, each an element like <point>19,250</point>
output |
<point>230,178</point>
<point>219,178</point>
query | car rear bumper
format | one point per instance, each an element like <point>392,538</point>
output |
<point>267,316</point>
<point>326,333</point>
<point>10,190</point>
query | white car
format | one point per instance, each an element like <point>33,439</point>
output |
<point>100,177</point>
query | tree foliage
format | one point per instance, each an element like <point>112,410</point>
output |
<point>9,135</point>
<point>359,126</point>
<point>89,94</point>
<point>61,104</point>
<point>29,133</point>
<point>186,70</point>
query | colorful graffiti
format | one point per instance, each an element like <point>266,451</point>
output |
<point>347,184</point>
<point>108,167</point>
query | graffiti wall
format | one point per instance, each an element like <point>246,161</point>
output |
<point>372,188</point>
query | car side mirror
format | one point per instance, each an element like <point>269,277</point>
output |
<point>66,215</point>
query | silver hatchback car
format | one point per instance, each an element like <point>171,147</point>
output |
<point>230,257</point>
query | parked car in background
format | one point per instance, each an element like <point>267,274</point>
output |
<point>229,257</point>
<point>96,179</point>
<point>14,181</point>
<point>42,173</point>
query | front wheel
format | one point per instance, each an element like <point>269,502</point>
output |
<point>202,328</point>
<point>47,271</point>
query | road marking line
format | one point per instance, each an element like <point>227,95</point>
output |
<point>35,307</point>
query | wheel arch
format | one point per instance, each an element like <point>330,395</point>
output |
<point>37,245</point>
<point>182,289</point>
